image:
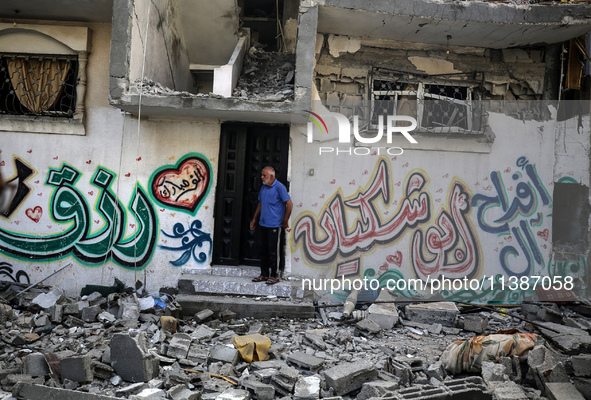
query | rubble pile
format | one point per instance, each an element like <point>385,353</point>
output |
<point>123,345</point>
<point>266,76</point>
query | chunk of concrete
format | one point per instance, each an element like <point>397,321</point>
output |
<point>131,359</point>
<point>475,323</point>
<point>307,388</point>
<point>203,332</point>
<point>305,361</point>
<point>444,313</point>
<point>225,354</point>
<point>581,364</point>
<point>384,314</point>
<point>377,389</point>
<point>233,394</point>
<point>492,372</point>
<point>77,369</point>
<point>545,367</point>
<point>260,390</point>
<point>347,377</point>
<point>284,380</point>
<point>35,364</point>
<point>563,391</point>
<point>583,385</point>
<point>568,339</point>
<point>89,314</point>
<point>315,339</point>
<point>508,391</point>
<point>203,315</point>
<point>49,299</point>
<point>182,392</point>
<point>179,346</point>
<point>368,325</point>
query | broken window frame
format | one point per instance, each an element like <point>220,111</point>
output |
<point>472,82</point>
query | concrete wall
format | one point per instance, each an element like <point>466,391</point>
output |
<point>59,219</point>
<point>475,207</point>
<point>166,56</point>
<point>457,231</point>
<point>210,29</point>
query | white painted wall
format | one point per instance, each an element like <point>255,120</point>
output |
<point>114,142</point>
<point>517,143</point>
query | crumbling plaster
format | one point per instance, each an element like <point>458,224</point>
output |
<point>509,74</point>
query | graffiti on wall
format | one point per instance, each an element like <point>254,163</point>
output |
<point>16,190</point>
<point>192,241</point>
<point>513,212</point>
<point>69,208</point>
<point>448,246</point>
<point>182,186</point>
<point>334,234</point>
<point>6,271</point>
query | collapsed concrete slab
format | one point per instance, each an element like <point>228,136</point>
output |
<point>568,339</point>
<point>39,392</point>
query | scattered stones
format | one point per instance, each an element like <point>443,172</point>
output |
<point>97,348</point>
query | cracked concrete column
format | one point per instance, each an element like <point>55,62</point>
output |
<point>305,53</point>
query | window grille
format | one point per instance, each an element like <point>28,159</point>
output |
<point>40,85</point>
<point>440,103</point>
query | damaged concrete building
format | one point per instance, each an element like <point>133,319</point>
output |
<point>152,92</point>
<point>132,136</point>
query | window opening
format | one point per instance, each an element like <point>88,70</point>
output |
<point>439,103</point>
<point>41,85</point>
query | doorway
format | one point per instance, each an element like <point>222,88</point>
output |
<point>245,149</point>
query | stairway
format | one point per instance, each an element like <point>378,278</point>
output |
<point>231,288</point>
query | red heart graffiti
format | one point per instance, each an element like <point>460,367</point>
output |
<point>30,151</point>
<point>88,162</point>
<point>395,258</point>
<point>332,182</point>
<point>128,175</point>
<point>2,163</point>
<point>544,234</point>
<point>55,158</point>
<point>384,267</point>
<point>34,213</point>
<point>138,159</point>
<point>182,187</point>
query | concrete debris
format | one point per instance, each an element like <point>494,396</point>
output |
<point>266,76</point>
<point>129,347</point>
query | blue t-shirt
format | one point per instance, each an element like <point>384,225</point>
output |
<point>273,204</point>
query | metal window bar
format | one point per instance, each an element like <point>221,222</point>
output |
<point>64,105</point>
<point>439,103</point>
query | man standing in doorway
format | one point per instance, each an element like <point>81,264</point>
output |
<point>274,210</point>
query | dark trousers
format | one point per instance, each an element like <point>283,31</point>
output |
<point>269,240</point>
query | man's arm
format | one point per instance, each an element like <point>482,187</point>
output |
<point>288,207</point>
<point>256,217</point>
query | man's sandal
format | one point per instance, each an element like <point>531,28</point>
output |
<point>260,278</point>
<point>272,281</point>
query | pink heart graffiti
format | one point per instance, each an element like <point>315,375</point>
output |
<point>34,213</point>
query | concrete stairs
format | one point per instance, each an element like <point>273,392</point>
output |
<point>231,288</point>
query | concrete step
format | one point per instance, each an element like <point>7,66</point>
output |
<point>244,271</point>
<point>237,285</point>
<point>245,307</point>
